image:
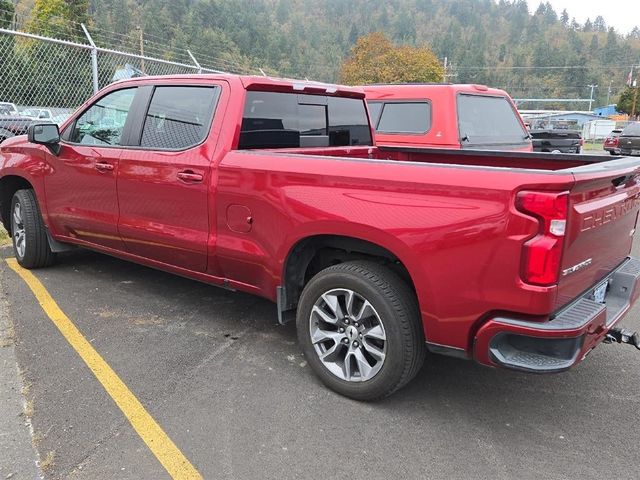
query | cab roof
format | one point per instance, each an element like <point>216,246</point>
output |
<point>256,82</point>
<point>420,90</point>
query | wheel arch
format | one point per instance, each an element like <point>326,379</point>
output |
<point>313,253</point>
<point>9,185</point>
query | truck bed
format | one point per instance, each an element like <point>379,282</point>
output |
<point>456,211</point>
<point>470,158</point>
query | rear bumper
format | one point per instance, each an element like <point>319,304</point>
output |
<point>564,341</point>
<point>624,151</point>
<point>551,148</point>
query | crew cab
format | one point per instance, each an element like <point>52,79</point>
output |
<point>446,116</point>
<point>276,188</point>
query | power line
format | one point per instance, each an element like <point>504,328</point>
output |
<point>558,67</point>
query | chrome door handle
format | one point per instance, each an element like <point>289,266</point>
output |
<point>104,167</point>
<point>189,176</point>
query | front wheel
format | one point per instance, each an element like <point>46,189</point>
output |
<point>359,328</point>
<point>30,243</point>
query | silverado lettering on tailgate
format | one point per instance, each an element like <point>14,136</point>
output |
<point>602,216</point>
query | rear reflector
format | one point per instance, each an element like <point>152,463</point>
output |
<point>542,255</point>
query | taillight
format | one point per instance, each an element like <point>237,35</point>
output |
<point>542,255</point>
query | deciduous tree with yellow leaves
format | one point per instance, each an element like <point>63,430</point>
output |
<point>375,59</point>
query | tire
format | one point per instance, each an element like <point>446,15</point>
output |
<point>366,375</point>
<point>30,243</point>
<point>611,152</point>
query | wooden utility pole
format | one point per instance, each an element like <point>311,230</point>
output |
<point>139,28</point>
<point>635,98</point>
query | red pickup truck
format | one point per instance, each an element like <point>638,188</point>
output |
<point>275,187</point>
<point>446,116</point>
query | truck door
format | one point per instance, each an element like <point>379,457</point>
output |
<point>81,185</point>
<point>164,183</point>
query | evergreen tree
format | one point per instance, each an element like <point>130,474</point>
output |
<point>599,25</point>
<point>564,17</point>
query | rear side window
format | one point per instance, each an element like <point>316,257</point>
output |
<point>486,120</point>
<point>178,117</point>
<point>405,117</point>
<point>631,130</point>
<point>289,120</point>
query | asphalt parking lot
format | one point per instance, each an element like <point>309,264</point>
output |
<point>232,391</point>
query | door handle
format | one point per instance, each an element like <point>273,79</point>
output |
<point>104,167</point>
<point>189,176</point>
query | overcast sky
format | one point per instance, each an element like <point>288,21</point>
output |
<point>623,15</point>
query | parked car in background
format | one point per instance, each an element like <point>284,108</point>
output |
<point>37,114</point>
<point>446,116</point>
<point>7,108</point>
<point>611,143</point>
<point>11,126</point>
<point>380,253</point>
<point>629,140</point>
<point>556,141</point>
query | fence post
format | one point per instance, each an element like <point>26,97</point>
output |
<point>193,59</point>
<point>94,59</point>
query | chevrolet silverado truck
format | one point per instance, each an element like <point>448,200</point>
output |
<point>276,188</point>
<point>453,116</point>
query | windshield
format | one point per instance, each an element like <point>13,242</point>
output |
<point>487,120</point>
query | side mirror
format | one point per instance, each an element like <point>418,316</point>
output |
<point>46,134</point>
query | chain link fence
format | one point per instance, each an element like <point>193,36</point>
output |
<point>47,78</point>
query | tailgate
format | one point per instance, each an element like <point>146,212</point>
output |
<point>556,138</point>
<point>603,210</point>
<point>629,143</point>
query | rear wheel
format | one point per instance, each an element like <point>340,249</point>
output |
<point>30,243</point>
<point>359,328</point>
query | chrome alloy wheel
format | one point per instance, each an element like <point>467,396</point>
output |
<point>348,335</point>
<point>17,228</point>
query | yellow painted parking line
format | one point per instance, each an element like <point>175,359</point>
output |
<point>167,453</point>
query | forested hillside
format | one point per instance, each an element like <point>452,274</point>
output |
<point>544,54</point>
